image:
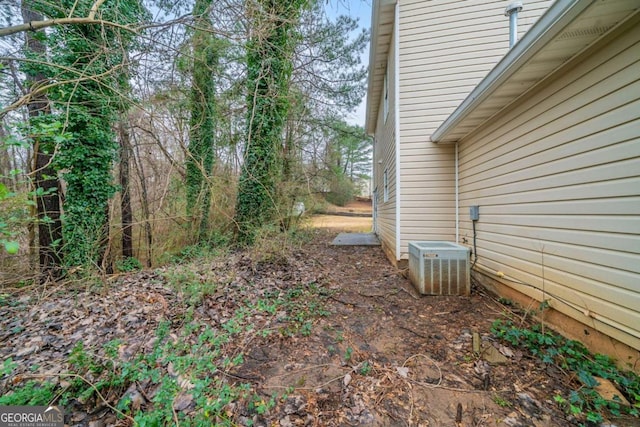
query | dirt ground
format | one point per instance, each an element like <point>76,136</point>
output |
<point>382,356</point>
<point>423,369</point>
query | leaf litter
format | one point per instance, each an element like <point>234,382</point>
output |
<point>362,349</point>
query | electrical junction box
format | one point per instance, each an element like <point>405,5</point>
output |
<point>474,212</point>
<point>439,268</point>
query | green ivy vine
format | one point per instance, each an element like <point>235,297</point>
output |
<point>269,66</point>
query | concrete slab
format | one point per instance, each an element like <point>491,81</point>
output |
<point>356,239</point>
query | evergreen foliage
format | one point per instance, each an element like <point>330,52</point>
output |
<point>348,161</point>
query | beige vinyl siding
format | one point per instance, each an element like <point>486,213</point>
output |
<point>446,48</point>
<point>557,179</point>
<point>384,157</point>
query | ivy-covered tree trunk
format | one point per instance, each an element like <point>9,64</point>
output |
<point>88,158</point>
<point>269,64</point>
<point>200,153</point>
<point>47,188</point>
<point>90,66</point>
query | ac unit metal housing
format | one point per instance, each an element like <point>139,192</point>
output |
<point>439,268</point>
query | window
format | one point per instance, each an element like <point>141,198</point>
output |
<point>385,184</point>
<point>385,102</point>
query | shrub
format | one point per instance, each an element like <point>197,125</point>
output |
<point>342,191</point>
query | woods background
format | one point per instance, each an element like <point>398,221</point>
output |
<point>134,131</point>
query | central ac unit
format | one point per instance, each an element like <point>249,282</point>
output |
<point>439,268</point>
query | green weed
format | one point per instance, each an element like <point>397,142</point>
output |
<point>194,285</point>
<point>365,368</point>
<point>302,303</point>
<point>196,357</point>
<point>128,264</point>
<point>348,354</point>
<point>33,393</point>
<point>585,402</point>
<point>7,367</point>
<point>500,401</point>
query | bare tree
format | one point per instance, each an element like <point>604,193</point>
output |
<point>125,190</point>
<point>47,187</point>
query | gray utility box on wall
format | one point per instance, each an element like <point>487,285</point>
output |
<point>439,268</point>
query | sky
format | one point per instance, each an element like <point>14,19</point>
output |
<point>360,9</point>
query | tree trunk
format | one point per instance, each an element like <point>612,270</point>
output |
<point>6,165</point>
<point>125,199</point>
<point>200,155</point>
<point>269,64</point>
<point>48,199</point>
<point>144,202</point>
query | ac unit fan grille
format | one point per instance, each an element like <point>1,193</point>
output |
<point>439,268</point>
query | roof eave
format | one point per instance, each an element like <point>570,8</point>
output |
<point>372,107</point>
<point>550,24</point>
<point>375,15</point>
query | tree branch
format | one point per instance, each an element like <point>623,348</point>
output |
<point>38,25</point>
<point>94,8</point>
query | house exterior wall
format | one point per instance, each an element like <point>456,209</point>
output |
<point>384,158</point>
<point>557,179</point>
<point>446,48</point>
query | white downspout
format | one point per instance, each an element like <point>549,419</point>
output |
<point>396,84</point>
<point>457,198</point>
<point>372,189</point>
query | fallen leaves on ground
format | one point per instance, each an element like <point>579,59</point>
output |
<point>363,349</point>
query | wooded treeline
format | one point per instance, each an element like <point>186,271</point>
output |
<point>132,130</point>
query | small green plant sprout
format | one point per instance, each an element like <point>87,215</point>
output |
<point>365,368</point>
<point>261,406</point>
<point>7,367</point>
<point>545,304</point>
<point>305,329</point>
<point>501,401</point>
<point>348,354</point>
<point>505,301</point>
<point>5,299</point>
